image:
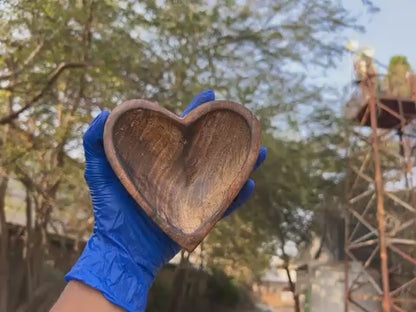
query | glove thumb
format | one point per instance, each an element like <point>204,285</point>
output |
<point>98,169</point>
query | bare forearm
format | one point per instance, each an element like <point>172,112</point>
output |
<point>82,298</point>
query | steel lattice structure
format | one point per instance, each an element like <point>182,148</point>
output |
<point>381,200</point>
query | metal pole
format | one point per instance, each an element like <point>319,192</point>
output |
<point>380,198</point>
<point>347,225</point>
<point>411,79</point>
<point>412,85</point>
<point>346,265</point>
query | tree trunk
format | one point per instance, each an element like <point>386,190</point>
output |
<point>292,288</point>
<point>29,246</point>
<point>179,284</point>
<point>4,248</point>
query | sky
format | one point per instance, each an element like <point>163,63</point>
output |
<point>390,32</point>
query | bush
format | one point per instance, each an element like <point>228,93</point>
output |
<point>223,290</point>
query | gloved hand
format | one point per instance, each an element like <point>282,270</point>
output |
<point>126,249</point>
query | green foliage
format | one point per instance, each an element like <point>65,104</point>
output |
<point>159,302</point>
<point>240,247</point>
<point>223,290</point>
<point>398,60</point>
<point>299,180</point>
<point>397,79</point>
<point>61,62</point>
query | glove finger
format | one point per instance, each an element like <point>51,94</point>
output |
<point>261,158</point>
<point>242,197</point>
<point>248,188</point>
<point>97,169</point>
<point>93,137</point>
<point>203,97</point>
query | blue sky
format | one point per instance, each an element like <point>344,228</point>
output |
<point>390,32</point>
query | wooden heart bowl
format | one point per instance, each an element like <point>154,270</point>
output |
<point>183,172</point>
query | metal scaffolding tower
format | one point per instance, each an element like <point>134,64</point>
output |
<point>381,199</point>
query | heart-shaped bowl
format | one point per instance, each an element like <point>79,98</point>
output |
<point>184,172</point>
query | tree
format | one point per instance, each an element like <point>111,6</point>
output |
<point>397,79</point>
<point>292,190</point>
<point>61,62</point>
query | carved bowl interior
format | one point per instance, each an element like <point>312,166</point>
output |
<point>184,172</point>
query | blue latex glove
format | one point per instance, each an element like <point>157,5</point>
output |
<point>126,249</point>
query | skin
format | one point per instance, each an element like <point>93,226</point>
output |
<point>82,298</point>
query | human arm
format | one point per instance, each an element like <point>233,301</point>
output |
<point>80,297</point>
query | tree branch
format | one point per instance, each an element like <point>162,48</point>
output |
<point>25,63</point>
<point>53,76</point>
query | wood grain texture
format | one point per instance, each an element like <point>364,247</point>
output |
<point>184,172</point>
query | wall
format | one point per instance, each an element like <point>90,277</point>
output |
<point>322,288</point>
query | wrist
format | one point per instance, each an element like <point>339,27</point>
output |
<point>114,273</point>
